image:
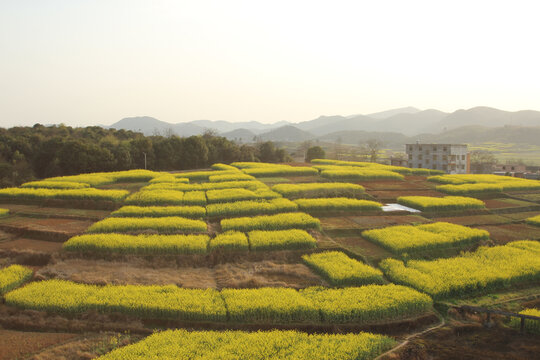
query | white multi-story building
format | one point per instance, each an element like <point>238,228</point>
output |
<point>450,158</point>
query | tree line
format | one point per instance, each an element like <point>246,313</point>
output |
<point>28,153</point>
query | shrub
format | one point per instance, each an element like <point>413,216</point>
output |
<point>337,204</point>
<point>139,244</point>
<point>13,276</point>
<point>428,203</point>
<point>341,270</point>
<point>251,207</point>
<point>406,238</point>
<point>267,345</point>
<point>294,239</point>
<point>271,222</point>
<point>482,271</point>
<point>169,224</point>
<point>319,190</point>
<point>192,212</point>
<point>231,240</point>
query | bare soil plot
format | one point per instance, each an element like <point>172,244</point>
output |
<point>101,272</point>
<point>371,222</point>
<point>266,273</point>
<point>52,229</point>
<point>472,220</point>
<point>19,344</point>
<point>392,195</point>
<point>46,212</point>
<point>534,197</point>
<point>470,342</point>
<point>236,275</point>
<point>506,203</point>
<point>31,244</point>
<point>502,234</point>
<point>363,247</point>
<point>519,216</point>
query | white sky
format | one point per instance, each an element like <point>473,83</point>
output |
<point>95,62</point>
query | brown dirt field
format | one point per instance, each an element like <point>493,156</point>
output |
<point>504,203</point>
<point>472,220</point>
<point>392,195</point>
<point>363,247</point>
<point>521,215</point>
<point>30,244</point>
<point>371,222</point>
<point>396,185</point>
<point>17,344</point>
<point>52,229</point>
<point>502,234</point>
<point>40,211</point>
<point>471,341</point>
<point>331,223</point>
<point>101,272</point>
<point>266,273</point>
<point>237,275</point>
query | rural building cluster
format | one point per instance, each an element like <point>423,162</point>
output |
<point>450,158</point>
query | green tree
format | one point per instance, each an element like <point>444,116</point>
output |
<point>315,152</point>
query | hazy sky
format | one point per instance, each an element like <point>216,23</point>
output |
<point>95,62</point>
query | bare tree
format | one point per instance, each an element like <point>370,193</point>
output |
<point>373,146</point>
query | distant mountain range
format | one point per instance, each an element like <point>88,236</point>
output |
<point>393,127</point>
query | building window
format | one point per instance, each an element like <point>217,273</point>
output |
<point>420,148</point>
<point>434,148</point>
<point>445,167</point>
<point>420,157</point>
<point>427,152</point>
<point>410,156</point>
<point>462,157</point>
<point>419,166</point>
<point>410,148</point>
<point>427,161</point>
<point>434,157</point>
<point>445,158</point>
<point>444,149</point>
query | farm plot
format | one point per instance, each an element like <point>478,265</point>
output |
<point>319,190</point>
<point>337,204</point>
<point>168,224</point>
<point>484,270</point>
<point>64,194</point>
<point>535,220</point>
<point>359,305</point>
<point>447,203</point>
<point>501,234</point>
<point>251,207</point>
<point>182,344</point>
<point>13,276</point>
<point>271,222</point>
<point>413,239</point>
<point>477,184</point>
<point>341,270</point>
<point>192,212</point>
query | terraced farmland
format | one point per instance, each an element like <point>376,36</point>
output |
<point>251,260</point>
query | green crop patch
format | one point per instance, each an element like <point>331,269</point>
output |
<point>271,222</point>
<point>404,239</point>
<point>230,241</point>
<point>271,345</point>
<point>535,220</point>
<point>13,276</point>
<point>44,184</point>
<point>64,194</point>
<point>485,270</point>
<point>138,244</point>
<point>192,212</point>
<point>447,203</point>
<point>294,239</point>
<point>169,224</point>
<point>251,207</point>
